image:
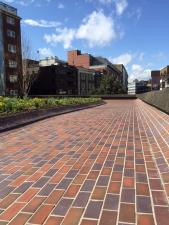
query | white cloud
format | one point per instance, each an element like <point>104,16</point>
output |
<point>136,13</point>
<point>45,52</point>
<point>64,36</point>
<point>140,73</point>
<point>124,59</point>
<point>141,56</point>
<point>100,1</point>
<point>61,6</point>
<point>105,1</point>
<point>121,6</point>
<point>97,29</point>
<point>41,23</point>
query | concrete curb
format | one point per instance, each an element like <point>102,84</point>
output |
<point>18,120</point>
<point>162,110</point>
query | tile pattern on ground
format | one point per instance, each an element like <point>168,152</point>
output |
<point>107,165</point>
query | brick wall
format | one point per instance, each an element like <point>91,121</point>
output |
<point>75,58</point>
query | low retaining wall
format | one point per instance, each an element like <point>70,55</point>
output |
<point>115,96</point>
<point>24,118</point>
<point>159,99</point>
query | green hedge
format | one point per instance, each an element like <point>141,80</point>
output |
<point>14,105</point>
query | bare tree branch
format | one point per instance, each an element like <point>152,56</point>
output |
<point>30,67</point>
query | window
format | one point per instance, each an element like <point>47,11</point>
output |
<point>12,48</point>
<point>10,20</point>
<point>82,76</point>
<point>11,33</point>
<point>13,78</point>
<point>12,64</point>
<point>13,92</point>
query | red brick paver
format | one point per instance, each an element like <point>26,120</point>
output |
<point>103,166</point>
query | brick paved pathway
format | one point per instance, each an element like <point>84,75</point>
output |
<point>103,166</point>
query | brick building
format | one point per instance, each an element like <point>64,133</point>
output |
<point>155,80</point>
<point>164,78</point>
<point>10,50</point>
<point>99,64</point>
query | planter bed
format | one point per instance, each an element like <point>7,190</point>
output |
<point>12,121</point>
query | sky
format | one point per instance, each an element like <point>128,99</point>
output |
<point>132,32</point>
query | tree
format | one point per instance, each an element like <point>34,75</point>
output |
<point>110,85</point>
<point>29,68</point>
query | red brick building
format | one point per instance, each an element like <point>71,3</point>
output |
<point>10,50</point>
<point>99,64</point>
<point>155,80</point>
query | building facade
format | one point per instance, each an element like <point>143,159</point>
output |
<point>164,78</point>
<point>56,80</point>
<point>86,81</point>
<point>100,65</point>
<point>138,87</point>
<point>10,50</point>
<point>155,80</point>
<point>51,61</point>
<point>124,75</point>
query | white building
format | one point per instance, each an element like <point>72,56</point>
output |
<point>132,88</point>
<point>51,61</point>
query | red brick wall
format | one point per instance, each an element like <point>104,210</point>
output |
<point>12,56</point>
<point>75,58</point>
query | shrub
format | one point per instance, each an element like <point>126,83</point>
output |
<point>13,105</point>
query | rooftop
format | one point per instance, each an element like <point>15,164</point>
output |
<point>8,8</point>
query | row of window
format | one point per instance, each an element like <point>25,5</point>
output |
<point>11,33</point>
<point>12,64</point>
<point>12,48</point>
<point>13,78</point>
<point>13,92</point>
<point>10,20</point>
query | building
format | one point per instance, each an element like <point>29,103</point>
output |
<point>155,80</point>
<point>124,76</point>
<point>138,87</point>
<point>164,78</point>
<point>99,64</point>
<point>30,66</point>
<point>132,88</point>
<point>10,50</point>
<point>63,80</point>
<point>29,75</point>
<point>51,61</point>
<point>86,81</point>
<point>105,67</point>
<point>56,80</point>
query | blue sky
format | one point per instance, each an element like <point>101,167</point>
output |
<point>132,32</point>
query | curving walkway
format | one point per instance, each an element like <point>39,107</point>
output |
<point>107,165</point>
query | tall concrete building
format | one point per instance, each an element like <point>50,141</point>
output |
<point>10,50</point>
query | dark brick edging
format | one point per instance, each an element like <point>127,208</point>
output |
<point>25,118</point>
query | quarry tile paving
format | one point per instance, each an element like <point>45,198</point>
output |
<point>107,165</point>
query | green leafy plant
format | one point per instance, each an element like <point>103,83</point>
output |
<point>14,105</point>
